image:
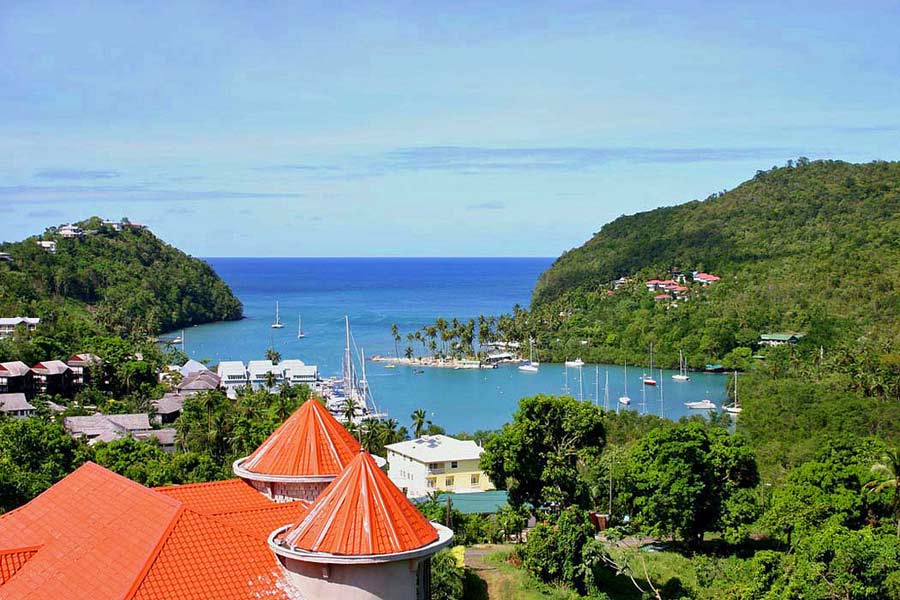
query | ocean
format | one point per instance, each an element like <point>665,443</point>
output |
<point>411,292</point>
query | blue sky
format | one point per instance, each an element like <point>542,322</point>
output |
<point>420,128</point>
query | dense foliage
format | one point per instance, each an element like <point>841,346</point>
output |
<point>540,456</point>
<point>108,281</point>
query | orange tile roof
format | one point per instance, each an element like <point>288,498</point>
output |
<point>310,442</point>
<point>100,536</point>
<point>217,497</point>
<point>260,523</point>
<point>361,513</point>
<point>12,560</point>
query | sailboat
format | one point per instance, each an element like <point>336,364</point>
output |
<point>530,366</point>
<point>277,324</point>
<point>575,363</point>
<point>625,399</point>
<point>682,368</point>
<point>648,379</point>
<point>300,334</point>
<point>735,407</point>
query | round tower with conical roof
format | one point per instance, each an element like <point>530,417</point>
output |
<point>301,457</point>
<point>362,539</point>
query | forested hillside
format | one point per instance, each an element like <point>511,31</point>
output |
<point>123,282</point>
<point>809,248</point>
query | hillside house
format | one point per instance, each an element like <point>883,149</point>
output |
<point>15,377</point>
<point>70,231</point>
<point>52,377</point>
<point>47,245</point>
<point>705,278</point>
<point>779,339</point>
<point>437,462</point>
<point>8,325</point>
<point>81,364</point>
<point>200,381</point>
<point>16,406</point>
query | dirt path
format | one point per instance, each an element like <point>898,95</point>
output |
<point>497,586</point>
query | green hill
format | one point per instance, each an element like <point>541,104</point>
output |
<point>120,280</point>
<point>810,248</point>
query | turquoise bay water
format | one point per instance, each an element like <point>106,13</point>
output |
<point>376,292</point>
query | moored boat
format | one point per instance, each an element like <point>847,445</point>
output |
<point>705,404</point>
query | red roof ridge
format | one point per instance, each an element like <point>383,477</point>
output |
<point>361,513</point>
<point>154,554</point>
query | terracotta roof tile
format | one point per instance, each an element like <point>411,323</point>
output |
<point>100,536</point>
<point>310,442</point>
<point>217,497</point>
<point>361,513</point>
<point>13,560</point>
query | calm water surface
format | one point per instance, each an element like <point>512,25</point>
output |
<point>376,292</point>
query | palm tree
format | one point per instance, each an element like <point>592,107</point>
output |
<point>395,333</point>
<point>270,381</point>
<point>409,352</point>
<point>409,340</point>
<point>273,355</point>
<point>348,410</point>
<point>419,421</point>
<point>888,473</point>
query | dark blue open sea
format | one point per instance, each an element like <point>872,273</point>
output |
<point>376,292</point>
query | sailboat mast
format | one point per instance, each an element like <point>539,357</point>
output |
<point>660,394</point>
<point>606,392</point>
<point>580,384</point>
<point>348,365</point>
<point>597,385</point>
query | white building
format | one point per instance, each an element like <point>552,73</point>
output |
<point>296,372</point>
<point>47,245</point>
<point>258,371</point>
<point>437,462</point>
<point>233,374</point>
<point>70,231</point>
<point>8,325</point>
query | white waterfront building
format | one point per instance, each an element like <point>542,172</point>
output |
<point>8,324</point>
<point>296,372</point>
<point>232,374</point>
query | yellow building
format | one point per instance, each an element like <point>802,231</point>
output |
<point>437,462</point>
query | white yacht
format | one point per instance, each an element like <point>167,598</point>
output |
<point>277,324</point>
<point>577,363</point>
<point>625,399</point>
<point>735,407</point>
<point>300,334</point>
<point>705,404</point>
<point>682,369</point>
<point>530,366</point>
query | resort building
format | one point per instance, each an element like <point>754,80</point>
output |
<point>779,339</point>
<point>8,325</point>
<point>81,364</point>
<point>296,372</point>
<point>52,377</point>
<point>96,535</point>
<point>705,278</point>
<point>192,366</point>
<point>6,257</point>
<point>106,428</point>
<point>232,374</point>
<point>258,373</point>
<point>437,462</point>
<point>169,407</point>
<point>16,406</point>
<point>15,377</point>
<point>200,381</point>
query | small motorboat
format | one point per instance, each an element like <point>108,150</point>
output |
<point>625,400</point>
<point>575,363</point>
<point>701,405</point>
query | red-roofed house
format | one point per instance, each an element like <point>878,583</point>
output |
<point>662,297</point>
<point>96,535</point>
<point>52,377</point>
<point>706,278</point>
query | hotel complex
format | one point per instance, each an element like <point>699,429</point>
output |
<point>437,462</point>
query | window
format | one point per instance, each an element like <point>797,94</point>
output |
<point>454,465</point>
<point>474,479</point>
<point>448,481</point>
<point>431,482</point>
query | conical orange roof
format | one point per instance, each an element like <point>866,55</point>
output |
<point>361,513</point>
<point>311,442</point>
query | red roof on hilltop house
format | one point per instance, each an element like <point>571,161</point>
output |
<point>96,535</point>
<point>706,277</point>
<point>311,442</point>
<point>361,513</point>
